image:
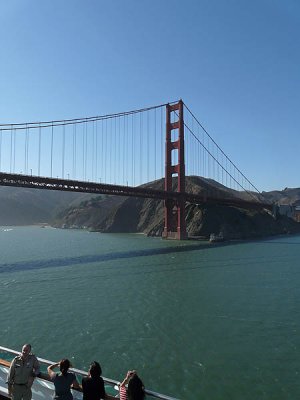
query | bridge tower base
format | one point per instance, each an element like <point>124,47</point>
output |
<point>175,227</point>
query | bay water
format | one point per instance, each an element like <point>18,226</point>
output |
<point>197,321</point>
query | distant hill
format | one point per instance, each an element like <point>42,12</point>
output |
<point>117,214</point>
<point>87,213</point>
<point>288,196</point>
<point>22,206</point>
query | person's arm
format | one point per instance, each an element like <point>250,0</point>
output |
<point>36,367</point>
<point>51,373</point>
<point>10,377</point>
<point>35,370</point>
<point>122,389</point>
<point>75,384</point>
<point>126,379</point>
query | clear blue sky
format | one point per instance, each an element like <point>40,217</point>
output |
<point>235,63</point>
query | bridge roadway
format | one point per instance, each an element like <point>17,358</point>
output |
<point>38,182</point>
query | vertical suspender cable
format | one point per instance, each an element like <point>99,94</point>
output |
<point>105,153</point>
<point>110,151</point>
<point>83,144</point>
<point>25,169</point>
<point>199,156</point>
<point>0,149</point>
<point>115,146</point>
<point>102,151</point>
<point>10,167</point>
<point>162,138</point>
<point>28,143</point>
<point>140,161</point>
<point>26,150</point>
<point>124,149</point>
<point>86,150</point>
<point>216,167</point>
<point>195,158</point>
<point>74,151</point>
<point>96,167</point>
<point>126,152</point>
<point>51,161</point>
<point>39,160</point>
<point>133,152</point>
<point>148,146</point>
<point>155,132</point>
<point>208,159</point>
<point>203,155</point>
<point>222,170</point>
<point>75,154</point>
<point>14,161</point>
<point>93,150</point>
<point>129,155</point>
<point>63,153</point>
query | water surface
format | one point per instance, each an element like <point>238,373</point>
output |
<point>196,321</point>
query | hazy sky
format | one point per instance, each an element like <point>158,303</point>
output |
<point>235,63</point>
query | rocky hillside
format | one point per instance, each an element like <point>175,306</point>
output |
<point>290,196</point>
<point>21,206</point>
<point>87,213</point>
<point>113,214</point>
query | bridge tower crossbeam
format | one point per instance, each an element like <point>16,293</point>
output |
<point>174,210</point>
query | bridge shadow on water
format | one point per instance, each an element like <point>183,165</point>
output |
<point>87,259</point>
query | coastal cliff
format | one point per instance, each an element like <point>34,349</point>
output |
<point>136,215</point>
<point>19,206</point>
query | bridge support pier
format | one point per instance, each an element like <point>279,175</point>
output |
<point>175,227</point>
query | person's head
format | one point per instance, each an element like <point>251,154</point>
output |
<point>26,349</point>
<point>135,390</point>
<point>64,365</point>
<point>95,369</point>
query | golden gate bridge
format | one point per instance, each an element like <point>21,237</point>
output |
<point>121,154</point>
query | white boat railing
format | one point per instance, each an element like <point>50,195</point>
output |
<point>46,386</point>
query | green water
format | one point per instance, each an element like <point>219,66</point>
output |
<point>196,321</point>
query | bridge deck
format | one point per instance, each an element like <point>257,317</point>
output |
<point>37,182</point>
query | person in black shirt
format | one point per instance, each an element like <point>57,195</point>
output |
<point>93,385</point>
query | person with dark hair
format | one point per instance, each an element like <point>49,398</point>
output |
<point>135,388</point>
<point>63,381</point>
<point>23,369</point>
<point>93,385</point>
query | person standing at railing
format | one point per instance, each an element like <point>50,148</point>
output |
<point>93,385</point>
<point>135,388</point>
<point>23,369</point>
<point>63,381</point>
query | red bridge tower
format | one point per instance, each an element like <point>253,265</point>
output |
<point>175,227</point>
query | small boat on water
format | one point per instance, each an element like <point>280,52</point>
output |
<point>216,238</point>
<point>43,388</point>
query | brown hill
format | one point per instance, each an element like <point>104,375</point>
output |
<point>289,196</point>
<point>22,206</point>
<point>131,215</point>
